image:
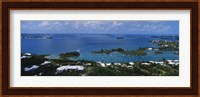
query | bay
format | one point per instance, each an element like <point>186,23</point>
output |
<point>87,43</point>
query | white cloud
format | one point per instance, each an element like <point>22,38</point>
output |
<point>149,26</point>
<point>98,25</point>
<point>44,23</point>
<point>114,24</point>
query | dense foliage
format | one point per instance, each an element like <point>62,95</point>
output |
<point>138,69</point>
<point>138,52</point>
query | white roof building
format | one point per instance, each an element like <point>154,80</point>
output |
<point>149,48</point>
<point>145,63</point>
<point>102,64</point>
<point>31,68</point>
<point>129,66</point>
<point>23,57</point>
<point>173,62</point>
<point>108,64</point>
<point>88,64</point>
<point>117,63</point>
<point>151,61</point>
<point>131,63</point>
<point>46,62</point>
<point>27,54</point>
<point>68,67</point>
<point>161,63</point>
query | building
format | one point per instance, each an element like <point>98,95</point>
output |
<point>46,63</point>
<point>68,67</point>
<point>31,68</point>
<point>108,64</point>
<point>145,63</point>
<point>117,63</point>
<point>88,64</point>
<point>150,49</point>
<point>102,64</point>
<point>131,63</point>
<point>26,55</point>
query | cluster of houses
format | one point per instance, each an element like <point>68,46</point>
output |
<point>68,67</point>
<point>26,55</point>
<point>173,62</point>
<point>36,66</point>
<point>130,64</point>
<point>31,68</point>
<point>61,68</point>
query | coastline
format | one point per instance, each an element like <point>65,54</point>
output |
<point>156,56</point>
<point>42,66</point>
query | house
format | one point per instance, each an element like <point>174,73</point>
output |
<point>161,63</point>
<point>88,64</point>
<point>117,63</point>
<point>150,49</point>
<point>151,61</point>
<point>145,63</point>
<point>173,62</point>
<point>68,67</point>
<point>23,57</point>
<point>108,64</point>
<point>123,65</point>
<point>46,62</point>
<point>31,68</point>
<point>26,55</point>
<point>129,66</point>
<point>102,64</point>
<point>131,63</point>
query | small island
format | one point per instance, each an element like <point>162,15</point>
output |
<point>166,45</point>
<point>122,51</point>
<point>35,36</point>
<point>120,38</point>
<point>70,54</point>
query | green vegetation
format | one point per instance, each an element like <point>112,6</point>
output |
<point>122,51</point>
<point>167,45</point>
<point>28,62</point>
<point>95,69</point>
<point>70,54</point>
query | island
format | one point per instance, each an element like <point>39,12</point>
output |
<point>70,54</point>
<point>167,45</point>
<point>138,52</point>
<point>36,36</point>
<point>120,38</point>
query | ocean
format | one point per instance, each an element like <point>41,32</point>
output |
<point>87,43</point>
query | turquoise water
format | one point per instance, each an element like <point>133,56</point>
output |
<point>85,44</point>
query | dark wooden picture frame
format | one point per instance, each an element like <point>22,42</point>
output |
<point>7,90</point>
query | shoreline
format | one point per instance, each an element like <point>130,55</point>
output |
<point>67,67</point>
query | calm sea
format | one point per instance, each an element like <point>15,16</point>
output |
<point>85,44</point>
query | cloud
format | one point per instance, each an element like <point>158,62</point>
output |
<point>116,24</point>
<point>44,24</point>
<point>98,26</point>
<point>153,26</point>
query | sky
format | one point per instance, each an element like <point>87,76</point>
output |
<point>98,27</point>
